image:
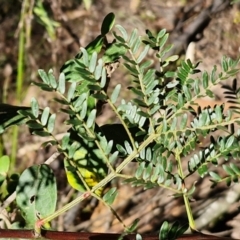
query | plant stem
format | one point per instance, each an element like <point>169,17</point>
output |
<point>20,64</point>
<point>185,195</point>
<point>20,67</point>
<point>14,147</point>
<point>189,212</point>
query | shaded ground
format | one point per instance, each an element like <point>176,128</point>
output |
<point>78,26</point>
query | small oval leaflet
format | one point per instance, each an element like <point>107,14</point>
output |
<point>52,79</point>
<point>91,118</point>
<point>93,62</point>
<point>71,91</point>
<point>84,56</point>
<point>51,123</point>
<point>107,23</point>
<point>110,196</point>
<point>115,93</point>
<point>215,176</point>
<point>123,32</point>
<point>34,107</point>
<point>103,78</point>
<point>98,70</point>
<point>133,37</point>
<point>45,115</point>
<point>143,54</point>
<point>61,83</point>
<point>43,76</point>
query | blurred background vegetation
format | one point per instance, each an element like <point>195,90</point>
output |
<point>38,34</point>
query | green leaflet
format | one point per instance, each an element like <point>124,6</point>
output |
<point>9,115</point>
<point>87,161</point>
<point>96,46</point>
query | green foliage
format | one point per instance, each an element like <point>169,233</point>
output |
<point>8,180</point>
<point>154,128</point>
<point>110,196</point>
<point>43,18</point>
<point>171,232</point>
<point>10,116</point>
<point>87,4</point>
<point>235,1</point>
<point>36,194</point>
<point>4,167</point>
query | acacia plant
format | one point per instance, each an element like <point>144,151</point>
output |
<point>154,127</point>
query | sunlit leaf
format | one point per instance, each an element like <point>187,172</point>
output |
<point>52,79</point>
<point>61,83</point>
<point>43,76</point>
<point>45,115</point>
<point>115,93</point>
<point>93,62</point>
<point>123,32</point>
<point>71,91</point>
<point>91,118</point>
<point>143,54</point>
<point>110,196</point>
<point>35,107</point>
<point>51,123</point>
